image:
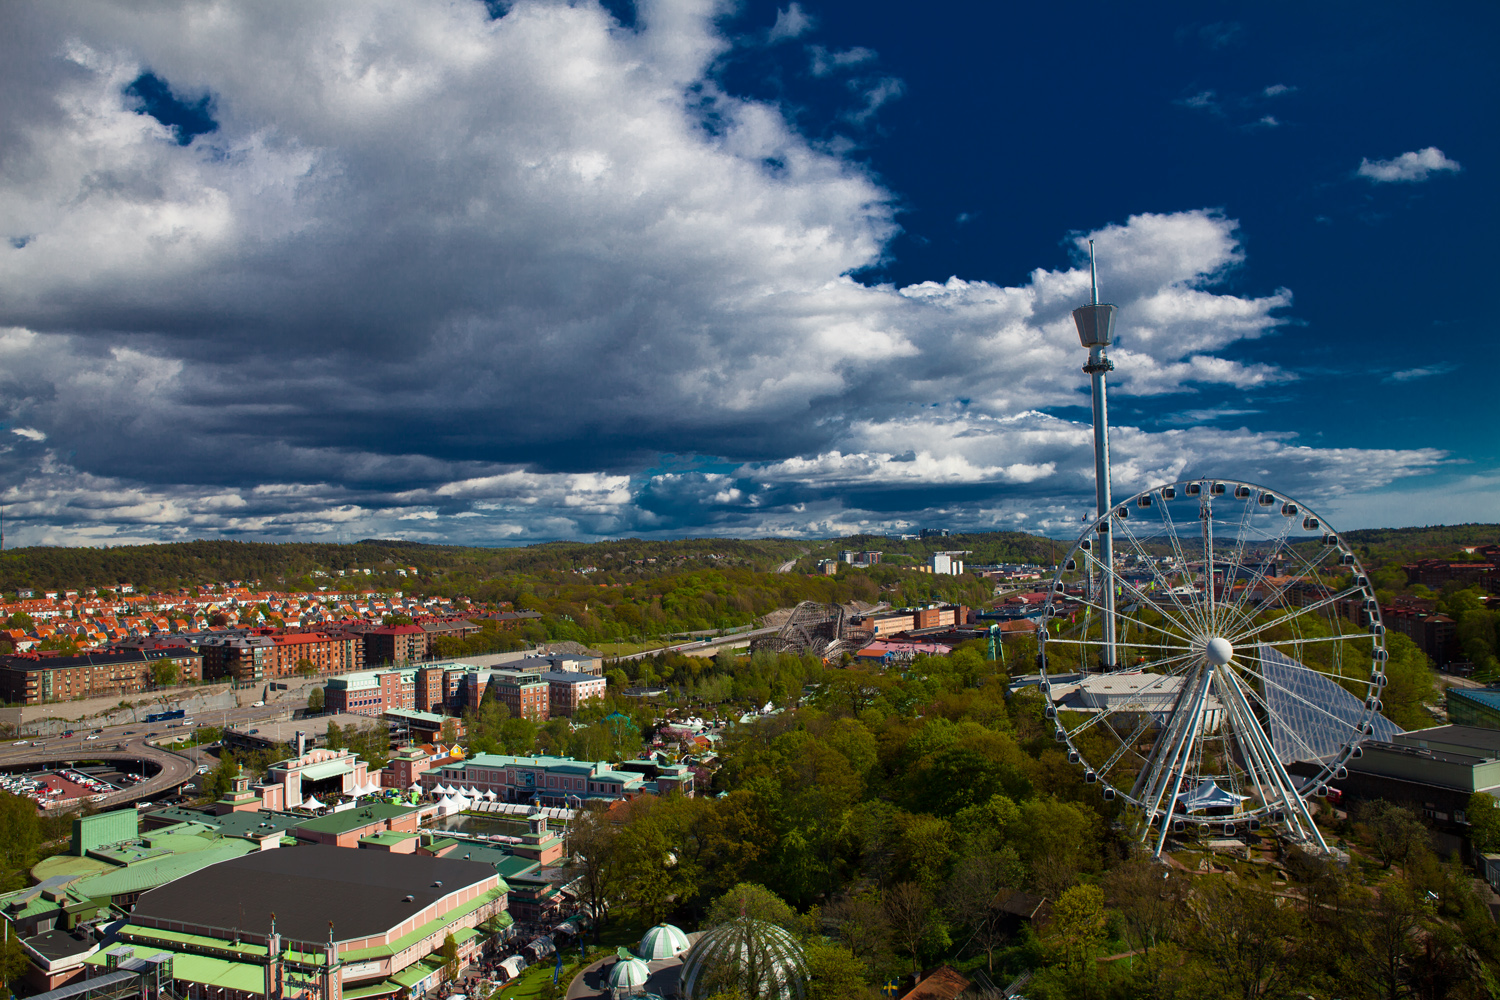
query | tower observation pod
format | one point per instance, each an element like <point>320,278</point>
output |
<point>1096,329</point>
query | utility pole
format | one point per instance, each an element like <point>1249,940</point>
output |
<point>1096,327</point>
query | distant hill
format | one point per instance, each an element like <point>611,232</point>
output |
<point>1385,546</point>
<point>296,564</point>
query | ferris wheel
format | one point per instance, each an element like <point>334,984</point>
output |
<point>1218,670</point>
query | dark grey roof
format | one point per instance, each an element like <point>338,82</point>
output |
<point>1485,740</point>
<point>306,887</point>
<point>58,944</point>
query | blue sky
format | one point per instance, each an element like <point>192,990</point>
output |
<point>495,274</point>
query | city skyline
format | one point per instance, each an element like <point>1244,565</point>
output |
<point>504,273</point>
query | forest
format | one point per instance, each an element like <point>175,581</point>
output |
<point>891,813</point>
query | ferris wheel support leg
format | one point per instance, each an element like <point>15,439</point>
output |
<point>1175,760</point>
<point>1241,723</point>
<point>1296,809</point>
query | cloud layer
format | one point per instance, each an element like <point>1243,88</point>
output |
<point>440,276</point>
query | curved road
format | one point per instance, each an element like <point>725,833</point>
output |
<point>174,769</point>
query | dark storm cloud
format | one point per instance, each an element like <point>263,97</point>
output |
<point>405,268</point>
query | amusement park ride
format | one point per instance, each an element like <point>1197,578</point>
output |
<point>1202,638</point>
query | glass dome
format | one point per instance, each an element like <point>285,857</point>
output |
<point>662,941</point>
<point>628,972</point>
<point>760,959</point>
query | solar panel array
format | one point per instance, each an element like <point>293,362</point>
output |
<point>1311,716</point>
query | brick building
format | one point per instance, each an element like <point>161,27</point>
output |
<point>395,645</point>
<point>371,692</point>
<point>31,678</point>
<point>567,692</point>
<point>1434,573</point>
<point>526,695</point>
<point>1435,634</point>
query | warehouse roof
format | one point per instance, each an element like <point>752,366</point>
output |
<point>361,892</point>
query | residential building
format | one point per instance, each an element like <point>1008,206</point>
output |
<point>1435,634</point>
<point>1434,573</point>
<point>567,692</point>
<point>946,564</point>
<point>34,678</point>
<point>395,645</point>
<point>527,696</point>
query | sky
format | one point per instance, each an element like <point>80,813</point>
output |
<point>496,273</point>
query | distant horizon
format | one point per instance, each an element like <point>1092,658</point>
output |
<point>661,540</point>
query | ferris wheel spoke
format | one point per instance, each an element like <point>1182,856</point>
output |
<point>1277,594</point>
<point>1174,752</point>
<point>1155,571</point>
<point>1293,616</point>
<point>1238,611</point>
<point>1141,595</point>
<point>1269,712</point>
<point>1290,694</point>
<point>1236,559</point>
<point>1143,624</point>
<point>1181,557</point>
<point>1127,745</point>
<point>1180,768</point>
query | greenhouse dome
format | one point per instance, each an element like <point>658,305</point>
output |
<point>760,959</point>
<point>662,941</point>
<point>628,974</point>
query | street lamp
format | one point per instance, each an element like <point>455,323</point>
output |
<point>1096,328</point>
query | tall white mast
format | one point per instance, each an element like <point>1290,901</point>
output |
<point>1096,327</point>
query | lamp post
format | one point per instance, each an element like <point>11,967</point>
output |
<point>1096,327</point>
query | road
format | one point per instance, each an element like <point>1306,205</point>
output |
<point>236,717</point>
<point>174,768</point>
<point>702,645</point>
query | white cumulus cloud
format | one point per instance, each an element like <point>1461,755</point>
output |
<point>1408,168</point>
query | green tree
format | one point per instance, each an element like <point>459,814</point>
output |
<point>1077,928</point>
<point>1394,831</point>
<point>164,673</point>
<point>306,667</point>
<point>755,901</point>
<point>1057,840</point>
<point>13,961</point>
<point>20,839</point>
<point>315,700</point>
<point>20,620</point>
<point>1483,815</point>
<point>220,781</point>
<point>449,953</point>
<point>1249,941</point>
<point>593,839</point>
<point>334,738</point>
<point>834,973</point>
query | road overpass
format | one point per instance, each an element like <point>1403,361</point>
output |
<point>173,769</point>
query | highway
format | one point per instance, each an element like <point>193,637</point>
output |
<point>236,717</point>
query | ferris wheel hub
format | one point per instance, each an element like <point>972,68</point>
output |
<point>1219,651</point>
